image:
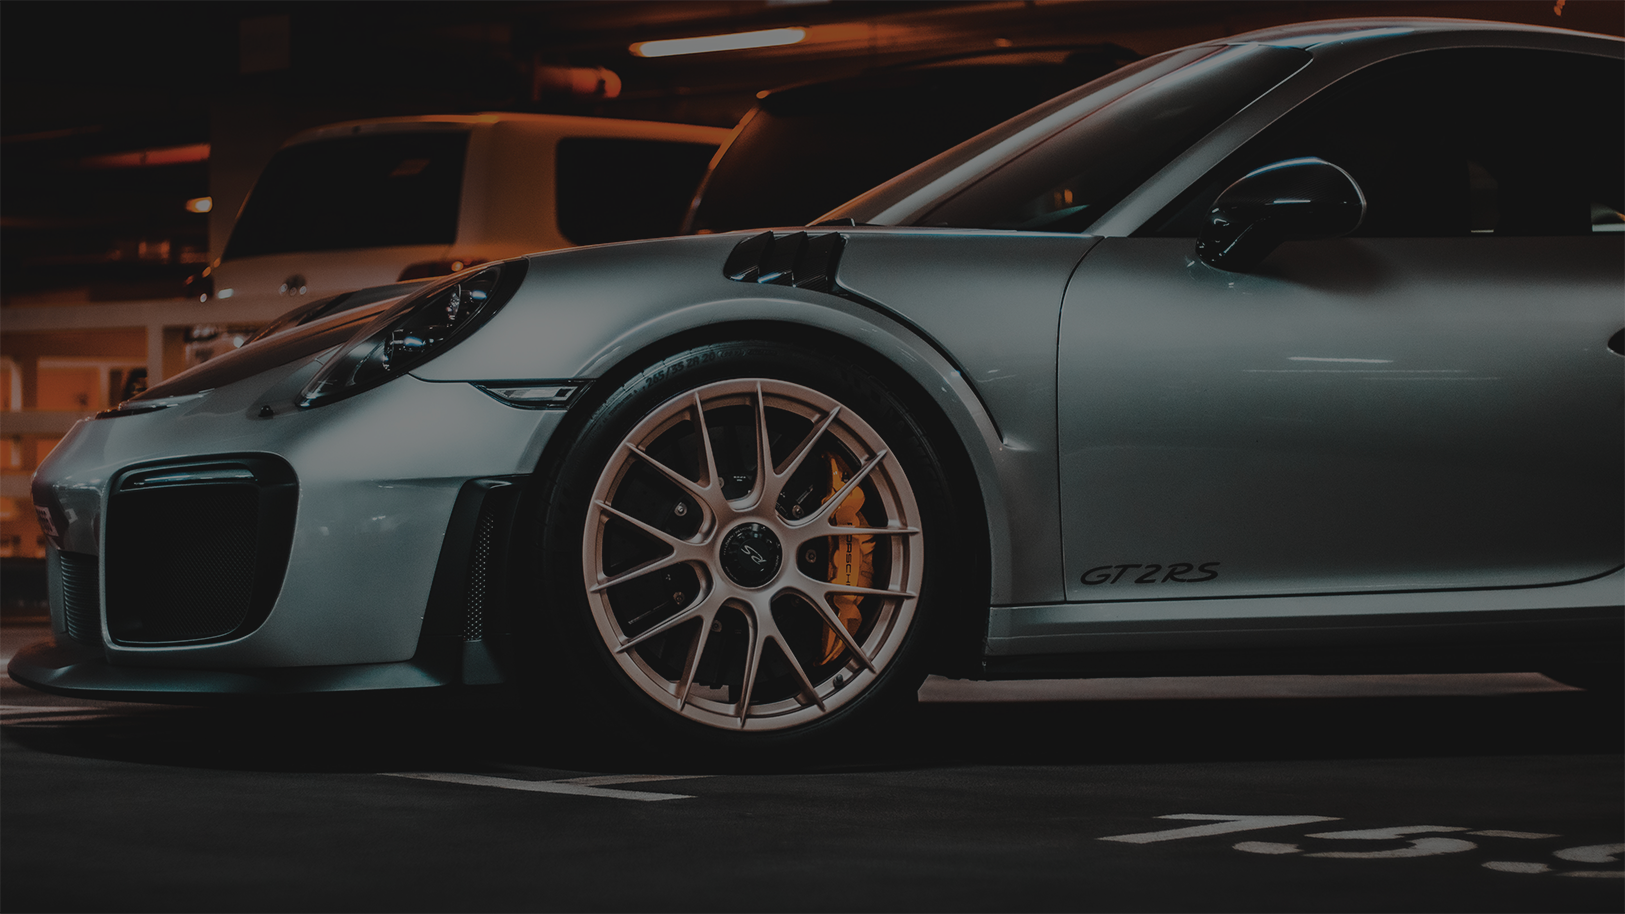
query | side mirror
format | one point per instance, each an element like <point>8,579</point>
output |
<point>1294,200</point>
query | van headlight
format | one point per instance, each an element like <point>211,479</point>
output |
<point>418,329</point>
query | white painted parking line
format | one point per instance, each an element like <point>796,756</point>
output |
<point>1596,874</point>
<point>1499,833</point>
<point>1596,853</point>
<point>1513,866</point>
<point>1222,825</point>
<point>1266,847</point>
<point>569,787</point>
<point>606,780</point>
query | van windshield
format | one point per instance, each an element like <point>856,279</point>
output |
<point>379,190</point>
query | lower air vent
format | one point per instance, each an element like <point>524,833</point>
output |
<point>479,571</point>
<point>81,597</point>
<point>197,552</point>
<point>791,259</point>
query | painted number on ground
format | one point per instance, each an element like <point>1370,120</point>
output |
<point>1406,841</point>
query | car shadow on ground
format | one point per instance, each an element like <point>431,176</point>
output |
<point>491,732</point>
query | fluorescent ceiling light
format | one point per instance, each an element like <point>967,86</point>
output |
<point>767,38</point>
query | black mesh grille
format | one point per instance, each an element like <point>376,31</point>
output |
<point>81,597</point>
<point>184,568</point>
<point>479,568</point>
<point>197,553</point>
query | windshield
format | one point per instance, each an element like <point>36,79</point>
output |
<point>1061,166</point>
<point>806,149</point>
<point>377,190</point>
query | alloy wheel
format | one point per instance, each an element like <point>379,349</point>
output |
<point>752,555</point>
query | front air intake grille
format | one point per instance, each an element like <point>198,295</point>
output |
<point>81,597</point>
<point>197,552</point>
<point>468,601</point>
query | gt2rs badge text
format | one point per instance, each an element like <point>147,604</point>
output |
<point>1178,572</point>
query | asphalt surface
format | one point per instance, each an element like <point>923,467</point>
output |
<point>1392,793</point>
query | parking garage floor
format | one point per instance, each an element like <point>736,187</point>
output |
<point>1302,793</point>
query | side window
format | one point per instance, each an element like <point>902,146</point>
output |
<point>1481,141</point>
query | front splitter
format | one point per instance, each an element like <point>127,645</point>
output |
<point>83,672</point>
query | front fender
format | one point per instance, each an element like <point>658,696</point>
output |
<point>589,312</point>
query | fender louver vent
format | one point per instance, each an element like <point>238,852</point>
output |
<point>791,259</point>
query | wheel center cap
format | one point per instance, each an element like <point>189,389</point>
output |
<point>751,555</point>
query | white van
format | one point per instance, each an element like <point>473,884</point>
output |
<point>364,203</point>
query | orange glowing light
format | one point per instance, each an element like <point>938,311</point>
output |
<point>150,158</point>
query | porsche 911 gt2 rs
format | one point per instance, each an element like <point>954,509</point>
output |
<point>1297,351</point>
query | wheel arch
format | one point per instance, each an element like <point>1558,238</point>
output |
<point>936,396</point>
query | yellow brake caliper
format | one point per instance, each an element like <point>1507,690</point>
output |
<point>851,560</point>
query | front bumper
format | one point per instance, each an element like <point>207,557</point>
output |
<point>382,479</point>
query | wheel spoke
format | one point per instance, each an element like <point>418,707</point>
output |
<point>676,544</point>
<point>801,674</point>
<point>859,531</point>
<point>665,561</point>
<point>833,589</point>
<point>824,511</point>
<point>827,613</point>
<point>664,625</point>
<point>803,451</point>
<point>700,493</point>
<point>764,451</point>
<point>712,478</point>
<point>696,650</point>
<point>753,661</point>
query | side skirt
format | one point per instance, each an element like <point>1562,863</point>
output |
<point>1477,630</point>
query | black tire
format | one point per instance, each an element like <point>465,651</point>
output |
<point>604,641</point>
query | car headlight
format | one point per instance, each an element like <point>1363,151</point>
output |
<point>418,329</point>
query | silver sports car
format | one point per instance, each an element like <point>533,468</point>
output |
<point>1298,351</point>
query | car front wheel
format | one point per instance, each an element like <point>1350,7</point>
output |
<point>741,548</point>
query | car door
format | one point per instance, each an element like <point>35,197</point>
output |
<point>1428,404</point>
